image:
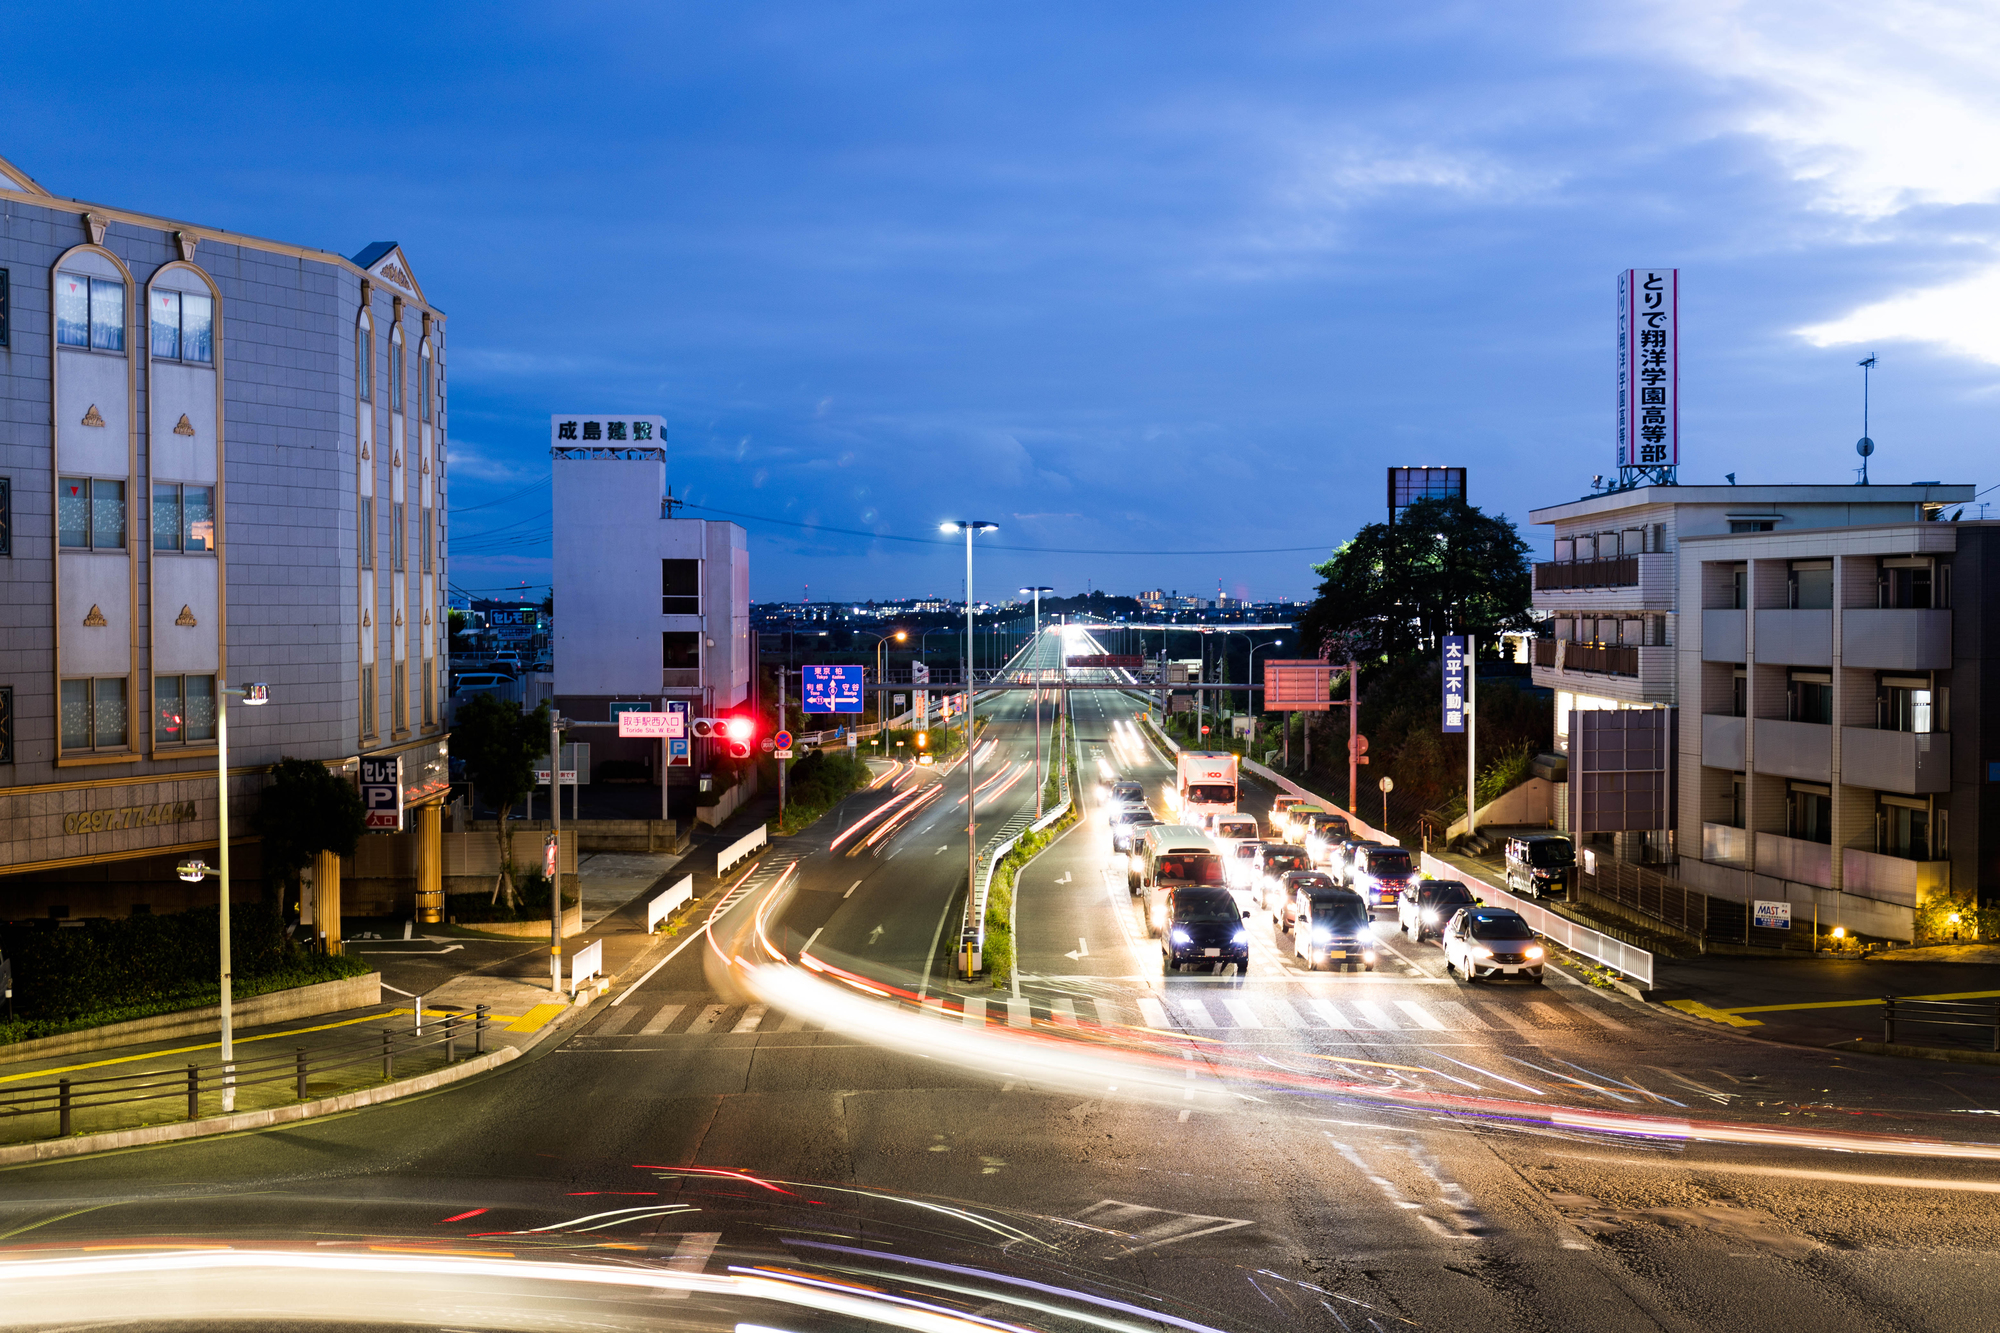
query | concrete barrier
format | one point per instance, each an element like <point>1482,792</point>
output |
<point>530,930</point>
<point>731,856</point>
<point>586,963</point>
<point>325,997</point>
<point>669,902</point>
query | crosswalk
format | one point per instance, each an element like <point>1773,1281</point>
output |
<point>1211,1015</point>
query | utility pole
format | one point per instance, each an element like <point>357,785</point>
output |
<point>555,841</point>
<point>1471,773</point>
<point>1354,732</point>
<point>783,681</point>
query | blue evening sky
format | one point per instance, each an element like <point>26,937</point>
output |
<point>1125,278</point>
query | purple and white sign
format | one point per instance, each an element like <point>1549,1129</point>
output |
<point>1454,682</point>
<point>1649,409</point>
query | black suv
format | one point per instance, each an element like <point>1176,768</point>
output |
<point>1427,907</point>
<point>1204,925</point>
<point>1540,865</point>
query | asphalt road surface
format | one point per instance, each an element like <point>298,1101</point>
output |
<point>1287,1149</point>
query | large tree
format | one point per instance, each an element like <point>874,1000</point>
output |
<point>500,744</point>
<point>306,810</point>
<point>1446,567</point>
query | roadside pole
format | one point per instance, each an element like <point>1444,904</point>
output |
<point>1353,730</point>
<point>555,838</point>
<point>1471,772</point>
<point>782,763</point>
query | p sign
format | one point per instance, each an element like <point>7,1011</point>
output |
<point>382,794</point>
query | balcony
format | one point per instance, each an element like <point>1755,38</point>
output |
<point>1608,661</point>
<point>680,678</point>
<point>1618,571</point>
<point>1722,636</point>
<point>1802,750</point>
<point>1725,845</point>
<point>1891,879</point>
<point>1794,638</point>
<point>1795,859</point>
<point>1722,743</point>
<point>1893,639</point>
<point>1907,762</point>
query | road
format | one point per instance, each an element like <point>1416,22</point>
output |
<point>1282,1150</point>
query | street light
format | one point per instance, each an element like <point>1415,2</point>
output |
<point>253,695</point>
<point>1037,593</point>
<point>899,636</point>
<point>1255,648</point>
<point>969,527</point>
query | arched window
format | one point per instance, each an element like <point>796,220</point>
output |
<point>426,394</point>
<point>396,368</point>
<point>364,357</point>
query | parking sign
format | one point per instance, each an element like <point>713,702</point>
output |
<point>382,793</point>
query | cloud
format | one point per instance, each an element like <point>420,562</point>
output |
<point>474,462</point>
<point>1957,316</point>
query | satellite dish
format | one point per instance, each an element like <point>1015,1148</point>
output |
<point>1864,446</point>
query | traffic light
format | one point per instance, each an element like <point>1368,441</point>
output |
<point>741,732</point>
<point>923,739</point>
<point>737,732</point>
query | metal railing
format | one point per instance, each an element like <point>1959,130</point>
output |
<point>1648,893</point>
<point>64,1097</point>
<point>1981,1014</point>
<point>1614,953</point>
<point>1609,661</point>
<point>1617,571</point>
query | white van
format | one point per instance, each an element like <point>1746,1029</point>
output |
<point>1171,856</point>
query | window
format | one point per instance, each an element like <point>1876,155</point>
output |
<point>1809,812</point>
<point>680,587</point>
<point>399,697</point>
<point>1905,584</point>
<point>1812,585</point>
<point>93,714</point>
<point>6,724</point>
<point>183,327</point>
<point>183,518</point>
<point>430,671</point>
<point>1739,694</point>
<point>6,517</point>
<point>183,709</point>
<point>90,514</point>
<point>397,537</point>
<point>396,370</point>
<point>1752,524</point>
<point>1903,828</point>
<point>1740,587</point>
<point>368,701</point>
<point>1908,703</point>
<point>680,650</point>
<point>90,312</point>
<point>366,543</point>
<point>1812,697</point>
<point>364,362</point>
<point>424,550</point>
<point>6,309</point>
<point>424,386</point>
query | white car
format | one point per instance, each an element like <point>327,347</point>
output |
<point>1239,864</point>
<point>1485,942</point>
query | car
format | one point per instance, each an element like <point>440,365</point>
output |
<point>1425,907</point>
<point>1291,825</point>
<point>1126,792</point>
<point>1290,885</point>
<point>1332,926</point>
<point>1540,864</point>
<point>1380,874</point>
<point>1239,862</point>
<point>1485,942</point>
<point>1323,832</point>
<point>1121,819</point>
<point>1343,855</point>
<point>1237,828</point>
<point>1273,859</point>
<point>1204,925</point>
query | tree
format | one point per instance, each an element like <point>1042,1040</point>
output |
<point>500,744</point>
<point>1446,567</point>
<point>307,809</point>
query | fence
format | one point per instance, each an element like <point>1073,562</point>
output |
<point>586,963</point>
<point>1983,1015</point>
<point>732,855</point>
<point>1648,893</point>
<point>993,853</point>
<point>1595,945</point>
<point>669,902</point>
<point>62,1098</point>
<point>1618,571</point>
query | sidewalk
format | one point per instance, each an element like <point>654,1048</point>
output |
<point>146,1084</point>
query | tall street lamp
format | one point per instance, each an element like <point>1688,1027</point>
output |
<point>1251,693</point>
<point>970,527</point>
<point>253,695</point>
<point>899,636</point>
<point>1034,666</point>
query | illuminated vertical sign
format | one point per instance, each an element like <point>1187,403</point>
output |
<point>1649,411</point>
<point>1454,682</point>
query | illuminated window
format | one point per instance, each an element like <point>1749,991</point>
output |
<point>183,709</point>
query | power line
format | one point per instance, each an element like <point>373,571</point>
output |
<point>486,504</point>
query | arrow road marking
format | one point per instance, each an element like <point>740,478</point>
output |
<point>875,934</point>
<point>405,953</point>
<point>1082,949</point>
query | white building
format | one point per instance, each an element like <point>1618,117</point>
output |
<point>648,608</point>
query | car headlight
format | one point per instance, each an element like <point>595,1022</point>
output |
<point>1135,863</point>
<point>1534,951</point>
<point>1481,951</point>
<point>1322,935</point>
<point>1430,916</point>
<point>1368,955</point>
<point>1240,937</point>
<point>1179,936</point>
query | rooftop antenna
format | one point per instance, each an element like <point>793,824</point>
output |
<point>670,504</point>
<point>1865,446</point>
<point>1731,476</point>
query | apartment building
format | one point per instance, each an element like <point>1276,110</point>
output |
<point>1656,597</point>
<point>221,460</point>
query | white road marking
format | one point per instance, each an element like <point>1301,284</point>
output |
<point>975,1013</point>
<point>1420,1014</point>
<point>1240,1010</point>
<point>1376,1014</point>
<point>751,1018</point>
<point>705,1021</point>
<point>855,885</point>
<point>690,1256</point>
<point>1154,1013</point>
<point>1330,1012</point>
<point>1597,1015</point>
<point>660,1020</point>
<point>1062,1011</point>
<point>1196,1011</point>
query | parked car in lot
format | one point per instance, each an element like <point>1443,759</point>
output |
<point>1284,909</point>
<point>1540,865</point>
<point>1204,925</point>
<point>1485,942</point>
<point>1427,906</point>
<point>1273,859</point>
<point>1380,873</point>
<point>1332,927</point>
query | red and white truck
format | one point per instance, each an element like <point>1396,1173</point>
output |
<point>1204,787</point>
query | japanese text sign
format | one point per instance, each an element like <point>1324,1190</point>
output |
<point>382,794</point>
<point>574,430</point>
<point>1454,682</point>
<point>832,689</point>
<point>653,726</point>
<point>1649,414</point>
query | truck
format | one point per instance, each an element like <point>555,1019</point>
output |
<point>1204,787</point>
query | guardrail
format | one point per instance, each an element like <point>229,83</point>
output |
<point>1595,945</point>
<point>669,902</point>
<point>732,855</point>
<point>1984,1015</point>
<point>63,1097</point>
<point>586,963</point>
<point>992,854</point>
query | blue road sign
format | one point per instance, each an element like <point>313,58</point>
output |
<point>832,689</point>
